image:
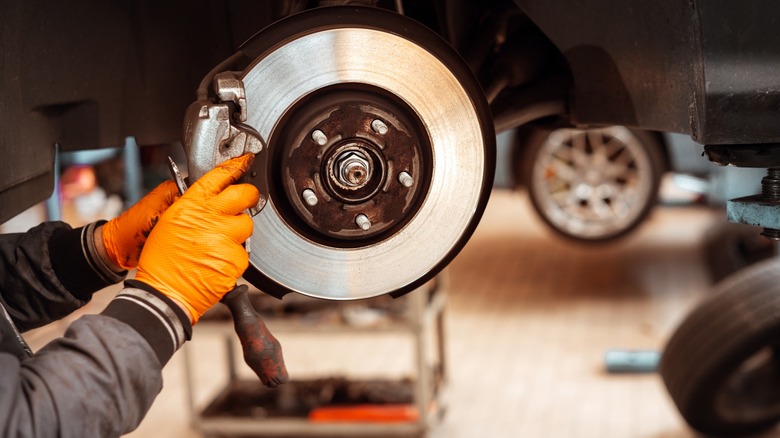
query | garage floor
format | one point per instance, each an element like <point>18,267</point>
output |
<point>529,319</point>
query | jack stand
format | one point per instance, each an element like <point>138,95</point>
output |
<point>761,210</point>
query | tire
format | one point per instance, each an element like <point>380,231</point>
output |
<point>592,185</point>
<point>721,366</point>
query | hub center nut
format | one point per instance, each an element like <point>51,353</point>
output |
<point>353,169</point>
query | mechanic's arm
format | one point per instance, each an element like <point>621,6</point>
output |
<point>101,377</point>
<point>51,270</point>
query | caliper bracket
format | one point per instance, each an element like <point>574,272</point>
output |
<point>213,133</point>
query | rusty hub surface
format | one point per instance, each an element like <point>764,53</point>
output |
<point>348,147</point>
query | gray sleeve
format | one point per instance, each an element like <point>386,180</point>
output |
<point>100,378</point>
<point>50,271</point>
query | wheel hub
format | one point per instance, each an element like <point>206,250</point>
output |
<point>352,168</point>
<point>340,182</point>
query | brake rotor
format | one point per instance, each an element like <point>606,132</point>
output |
<point>381,153</point>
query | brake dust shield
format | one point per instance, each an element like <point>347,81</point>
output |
<point>381,153</point>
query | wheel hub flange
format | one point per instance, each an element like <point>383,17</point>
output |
<point>347,175</point>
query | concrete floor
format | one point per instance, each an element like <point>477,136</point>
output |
<point>529,319</point>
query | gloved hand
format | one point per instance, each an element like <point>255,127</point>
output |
<point>194,253</point>
<point>124,236</point>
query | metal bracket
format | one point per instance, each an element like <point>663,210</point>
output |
<point>211,136</point>
<point>760,210</point>
<point>230,88</point>
<point>755,210</point>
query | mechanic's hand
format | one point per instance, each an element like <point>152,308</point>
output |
<point>124,236</point>
<point>194,253</point>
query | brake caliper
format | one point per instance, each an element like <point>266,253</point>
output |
<point>214,132</point>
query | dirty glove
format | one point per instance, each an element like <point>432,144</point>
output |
<point>124,236</point>
<point>194,254</point>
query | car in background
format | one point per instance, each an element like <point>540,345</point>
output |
<point>596,185</point>
<point>591,185</point>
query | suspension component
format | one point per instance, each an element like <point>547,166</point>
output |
<point>760,210</point>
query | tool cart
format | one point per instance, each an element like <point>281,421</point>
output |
<point>332,406</point>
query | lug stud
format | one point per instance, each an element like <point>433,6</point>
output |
<point>379,127</point>
<point>362,221</point>
<point>405,179</point>
<point>319,137</point>
<point>309,197</point>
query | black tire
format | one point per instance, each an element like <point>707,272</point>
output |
<point>578,222</point>
<point>721,365</point>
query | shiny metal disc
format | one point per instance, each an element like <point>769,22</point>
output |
<point>442,95</point>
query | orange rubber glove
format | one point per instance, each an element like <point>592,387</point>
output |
<point>194,253</point>
<point>124,236</point>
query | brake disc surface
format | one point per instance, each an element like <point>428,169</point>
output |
<point>381,154</point>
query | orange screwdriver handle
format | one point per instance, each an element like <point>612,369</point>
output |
<point>262,352</point>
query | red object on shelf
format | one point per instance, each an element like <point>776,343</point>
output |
<point>367,413</point>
